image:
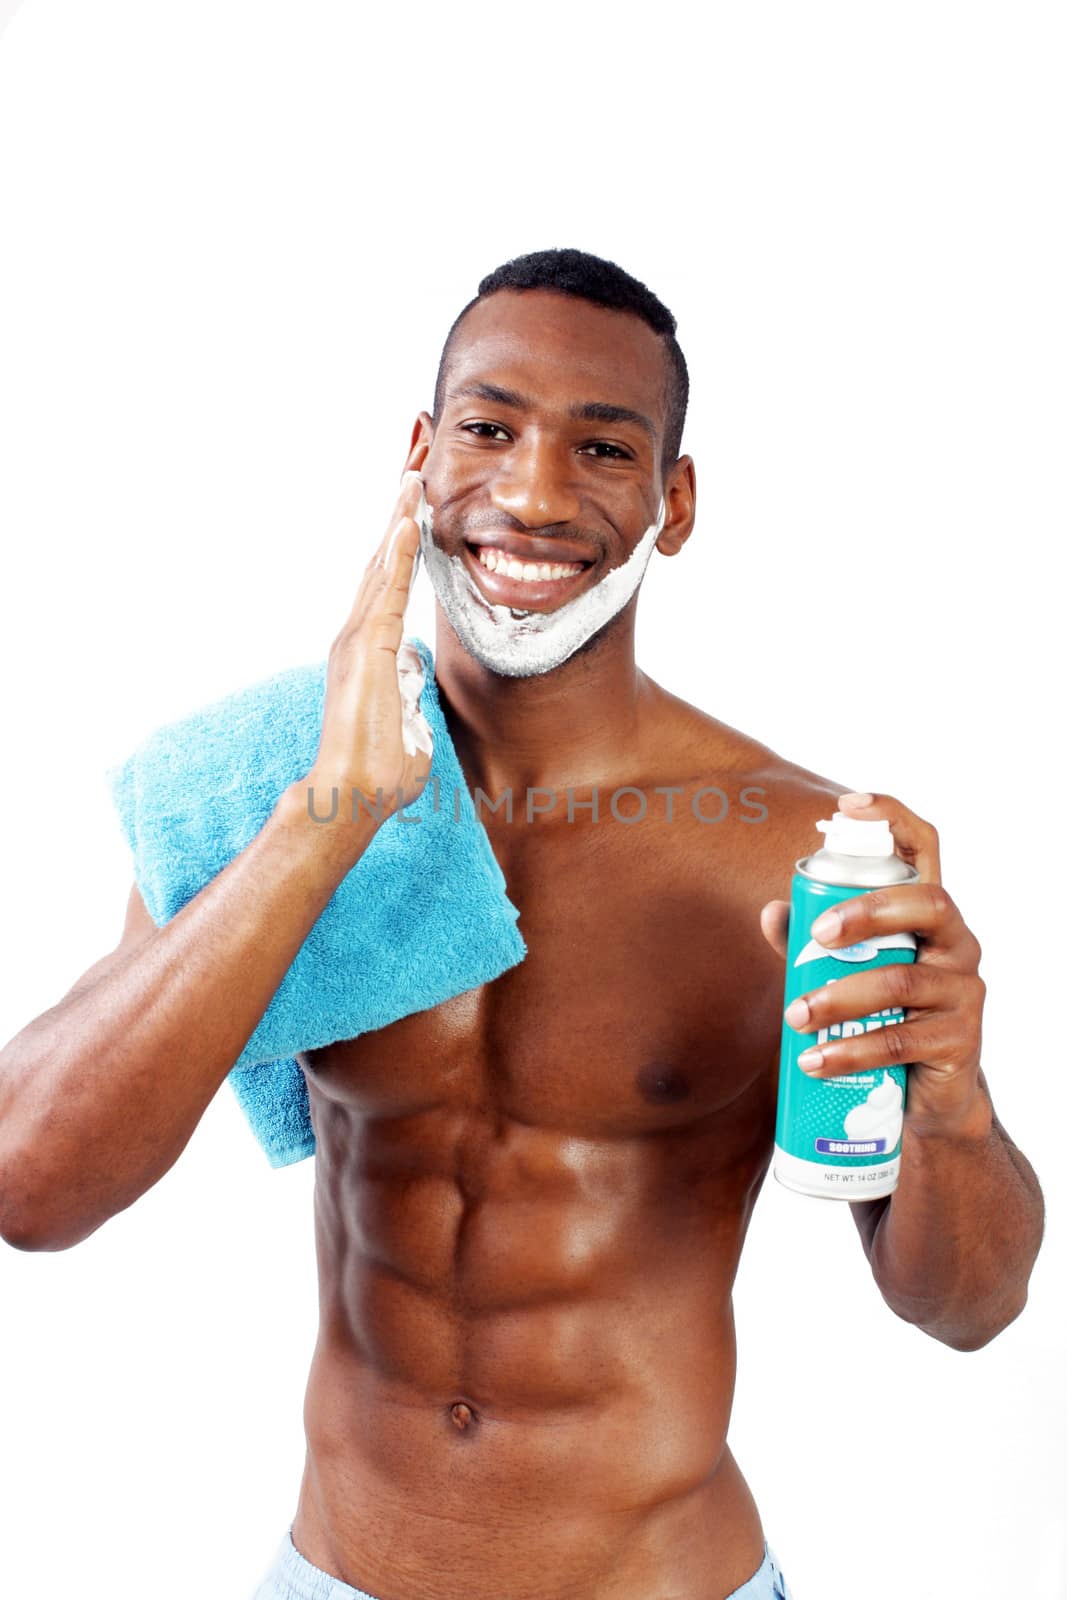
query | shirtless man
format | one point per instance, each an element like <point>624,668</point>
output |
<point>530,1201</point>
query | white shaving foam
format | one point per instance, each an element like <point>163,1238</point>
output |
<point>520,644</point>
<point>414,729</point>
<point>880,1116</point>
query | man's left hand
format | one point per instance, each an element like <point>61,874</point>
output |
<point>940,1036</point>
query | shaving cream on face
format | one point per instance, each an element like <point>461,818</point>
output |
<point>522,644</point>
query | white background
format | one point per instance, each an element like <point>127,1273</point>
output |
<point>233,238</point>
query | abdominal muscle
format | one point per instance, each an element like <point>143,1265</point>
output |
<point>523,1396</point>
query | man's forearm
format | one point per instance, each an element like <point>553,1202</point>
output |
<point>955,1248</point>
<point>101,1093</point>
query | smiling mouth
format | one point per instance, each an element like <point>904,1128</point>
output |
<point>508,581</point>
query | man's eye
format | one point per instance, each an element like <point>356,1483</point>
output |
<point>494,427</point>
<point>602,444</point>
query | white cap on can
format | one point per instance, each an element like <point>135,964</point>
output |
<point>851,836</point>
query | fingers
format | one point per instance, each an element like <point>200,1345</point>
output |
<point>401,559</point>
<point>399,563</point>
<point>406,508</point>
<point>398,556</point>
<point>900,986</point>
<point>774,924</point>
<point>390,603</point>
<point>925,909</point>
<point>914,839</point>
<point>387,578</point>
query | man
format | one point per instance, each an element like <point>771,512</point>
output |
<point>531,1200</point>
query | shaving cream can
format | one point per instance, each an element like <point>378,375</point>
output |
<point>840,1137</point>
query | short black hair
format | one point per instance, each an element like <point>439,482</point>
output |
<point>589,277</point>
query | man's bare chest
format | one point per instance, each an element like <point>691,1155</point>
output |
<point>648,1002</point>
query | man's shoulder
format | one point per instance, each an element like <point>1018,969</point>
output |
<point>772,802</point>
<point>690,737</point>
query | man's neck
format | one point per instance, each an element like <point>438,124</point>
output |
<point>574,726</point>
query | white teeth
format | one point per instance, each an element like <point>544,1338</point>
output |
<point>526,571</point>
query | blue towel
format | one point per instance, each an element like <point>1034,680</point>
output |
<point>422,916</point>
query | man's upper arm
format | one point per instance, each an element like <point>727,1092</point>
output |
<point>139,927</point>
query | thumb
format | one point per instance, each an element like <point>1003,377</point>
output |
<point>774,923</point>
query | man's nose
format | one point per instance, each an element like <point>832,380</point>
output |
<point>536,486</point>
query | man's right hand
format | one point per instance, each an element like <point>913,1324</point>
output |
<point>361,746</point>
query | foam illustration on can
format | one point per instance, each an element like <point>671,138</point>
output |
<point>840,1137</point>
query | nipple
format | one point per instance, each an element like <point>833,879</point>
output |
<point>663,1084</point>
<point>462,1415</point>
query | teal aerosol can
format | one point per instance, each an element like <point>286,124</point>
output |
<point>840,1137</point>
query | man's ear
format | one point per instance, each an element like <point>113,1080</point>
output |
<point>421,440</point>
<point>680,493</point>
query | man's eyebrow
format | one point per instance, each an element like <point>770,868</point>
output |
<point>582,410</point>
<point>491,392</point>
<point>600,411</point>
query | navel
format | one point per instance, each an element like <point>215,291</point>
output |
<point>461,1414</point>
<point>662,1084</point>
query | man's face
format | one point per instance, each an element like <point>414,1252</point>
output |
<point>546,454</point>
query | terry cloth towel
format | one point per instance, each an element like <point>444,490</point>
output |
<point>422,916</point>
